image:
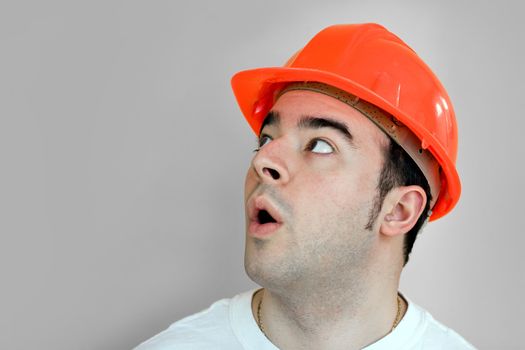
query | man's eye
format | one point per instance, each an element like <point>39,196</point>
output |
<point>264,140</point>
<point>320,146</point>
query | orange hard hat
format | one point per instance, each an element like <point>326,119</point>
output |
<point>368,61</point>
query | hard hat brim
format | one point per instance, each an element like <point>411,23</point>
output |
<point>255,85</point>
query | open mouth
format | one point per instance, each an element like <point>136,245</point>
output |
<point>263,217</point>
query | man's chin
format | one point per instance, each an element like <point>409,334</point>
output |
<point>270,274</point>
<point>258,268</point>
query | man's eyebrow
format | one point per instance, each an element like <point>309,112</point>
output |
<point>309,122</point>
<point>272,118</point>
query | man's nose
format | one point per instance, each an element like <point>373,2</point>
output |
<point>271,164</point>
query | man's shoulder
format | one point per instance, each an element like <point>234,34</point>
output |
<point>438,336</point>
<point>208,327</point>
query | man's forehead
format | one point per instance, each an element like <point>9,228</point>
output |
<point>298,105</point>
<point>314,122</point>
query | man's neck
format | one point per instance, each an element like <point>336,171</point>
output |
<point>350,319</point>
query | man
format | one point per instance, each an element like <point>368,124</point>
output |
<point>357,146</point>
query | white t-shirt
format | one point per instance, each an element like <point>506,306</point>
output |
<point>229,324</point>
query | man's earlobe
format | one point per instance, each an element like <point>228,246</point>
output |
<point>408,203</point>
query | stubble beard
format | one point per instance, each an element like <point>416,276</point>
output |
<point>335,261</point>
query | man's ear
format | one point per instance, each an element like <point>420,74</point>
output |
<point>404,206</point>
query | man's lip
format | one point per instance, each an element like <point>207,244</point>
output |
<point>263,203</point>
<point>258,230</point>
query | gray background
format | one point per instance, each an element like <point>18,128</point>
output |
<point>123,156</point>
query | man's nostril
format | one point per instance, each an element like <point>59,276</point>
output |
<point>274,173</point>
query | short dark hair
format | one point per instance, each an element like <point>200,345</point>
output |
<point>400,170</point>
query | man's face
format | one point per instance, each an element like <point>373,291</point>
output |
<point>319,184</point>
